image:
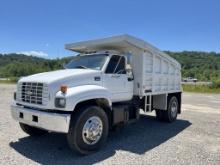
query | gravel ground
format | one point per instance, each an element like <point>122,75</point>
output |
<point>193,139</point>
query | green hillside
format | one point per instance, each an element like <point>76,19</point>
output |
<point>17,65</point>
<point>202,65</point>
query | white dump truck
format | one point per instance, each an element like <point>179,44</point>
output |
<point>106,85</point>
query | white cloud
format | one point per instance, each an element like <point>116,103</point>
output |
<point>34,53</point>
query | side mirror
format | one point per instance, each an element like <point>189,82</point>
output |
<point>128,68</point>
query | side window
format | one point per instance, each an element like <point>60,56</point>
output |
<point>112,64</point>
<point>121,66</point>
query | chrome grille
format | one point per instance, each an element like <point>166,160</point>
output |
<point>33,93</point>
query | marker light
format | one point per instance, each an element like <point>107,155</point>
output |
<point>63,89</point>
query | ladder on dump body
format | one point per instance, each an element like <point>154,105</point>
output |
<point>148,103</point>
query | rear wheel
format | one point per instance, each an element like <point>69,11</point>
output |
<point>172,111</point>
<point>170,114</point>
<point>32,131</point>
<point>88,129</point>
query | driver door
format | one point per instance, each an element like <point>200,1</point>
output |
<point>117,81</point>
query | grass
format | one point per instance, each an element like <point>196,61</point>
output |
<point>8,81</point>
<point>200,89</point>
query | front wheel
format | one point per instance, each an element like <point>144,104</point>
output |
<point>88,129</point>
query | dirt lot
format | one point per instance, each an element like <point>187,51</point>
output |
<point>193,139</point>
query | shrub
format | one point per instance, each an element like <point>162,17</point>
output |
<point>216,83</point>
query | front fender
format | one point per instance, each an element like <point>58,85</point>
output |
<point>78,94</point>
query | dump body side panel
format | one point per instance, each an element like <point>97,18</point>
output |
<point>158,74</point>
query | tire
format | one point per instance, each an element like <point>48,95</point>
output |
<point>78,136</point>
<point>170,114</point>
<point>32,131</point>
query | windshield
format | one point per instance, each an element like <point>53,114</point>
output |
<point>87,61</point>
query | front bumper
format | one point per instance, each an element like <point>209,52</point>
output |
<point>50,121</point>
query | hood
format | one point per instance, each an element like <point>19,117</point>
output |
<point>60,75</point>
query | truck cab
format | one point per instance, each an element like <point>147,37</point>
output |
<point>104,86</point>
<point>114,75</point>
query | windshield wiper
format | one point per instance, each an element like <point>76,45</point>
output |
<point>81,66</point>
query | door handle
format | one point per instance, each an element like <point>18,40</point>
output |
<point>130,79</point>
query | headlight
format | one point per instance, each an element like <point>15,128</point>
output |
<point>60,102</point>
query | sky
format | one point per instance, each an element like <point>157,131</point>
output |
<point>42,27</point>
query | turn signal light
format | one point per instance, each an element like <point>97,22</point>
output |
<point>63,89</point>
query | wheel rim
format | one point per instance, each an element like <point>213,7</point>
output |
<point>173,109</point>
<point>92,130</point>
